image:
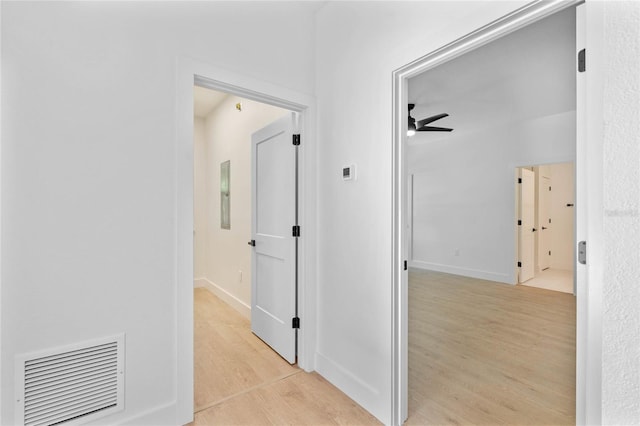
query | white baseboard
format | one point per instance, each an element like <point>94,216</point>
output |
<point>163,415</point>
<point>465,272</point>
<point>223,294</point>
<point>356,388</point>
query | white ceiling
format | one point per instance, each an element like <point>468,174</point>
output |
<point>529,73</point>
<point>205,100</point>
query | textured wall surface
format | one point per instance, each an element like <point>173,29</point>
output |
<point>621,287</point>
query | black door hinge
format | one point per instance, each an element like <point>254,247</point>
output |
<point>519,264</point>
<point>519,222</point>
<point>295,322</point>
<point>405,265</point>
<point>519,180</point>
<point>295,230</point>
<point>296,140</point>
<point>582,60</point>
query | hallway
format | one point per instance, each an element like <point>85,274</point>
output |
<point>239,380</point>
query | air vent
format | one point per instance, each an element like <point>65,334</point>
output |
<point>70,385</point>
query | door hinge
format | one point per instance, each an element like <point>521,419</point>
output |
<point>295,230</point>
<point>296,140</point>
<point>519,180</point>
<point>582,252</point>
<point>519,222</point>
<point>519,264</point>
<point>582,60</point>
<point>549,252</point>
<point>405,265</point>
<point>295,322</point>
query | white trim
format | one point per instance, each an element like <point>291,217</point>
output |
<point>1,287</point>
<point>187,72</point>
<point>225,296</point>
<point>161,415</point>
<point>346,381</point>
<point>466,272</point>
<point>589,349</point>
<point>520,18</point>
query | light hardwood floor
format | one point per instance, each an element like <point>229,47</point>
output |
<point>553,279</point>
<point>479,353</point>
<point>239,380</point>
<point>488,353</point>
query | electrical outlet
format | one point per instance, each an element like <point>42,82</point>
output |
<point>456,252</point>
<point>239,276</point>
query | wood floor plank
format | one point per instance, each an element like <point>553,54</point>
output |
<point>479,353</point>
<point>228,357</point>
<point>300,399</point>
<point>239,380</point>
<point>488,353</point>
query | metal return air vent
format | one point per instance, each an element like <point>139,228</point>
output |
<point>70,385</point>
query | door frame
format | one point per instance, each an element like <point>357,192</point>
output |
<point>519,228</point>
<point>589,303</point>
<point>190,72</point>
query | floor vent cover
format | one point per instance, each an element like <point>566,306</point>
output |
<point>70,385</point>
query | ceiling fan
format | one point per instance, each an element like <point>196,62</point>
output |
<point>421,125</point>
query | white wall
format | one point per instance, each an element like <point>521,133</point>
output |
<point>87,193</point>
<point>621,292</point>
<point>464,189</point>
<point>227,134</point>
<point>88,169</point>
<point>359,44</point>
<point>200,243</point>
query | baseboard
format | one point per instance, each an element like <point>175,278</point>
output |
<point>227,297</point>
<point>465,272</point>
<point>163,415</point>
<point>354,387</point>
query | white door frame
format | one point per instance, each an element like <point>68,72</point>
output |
<point>588,322</point>
<point>190,72</point>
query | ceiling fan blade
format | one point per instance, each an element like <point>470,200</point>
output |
<point>433,129</point>
<point>430,119</point>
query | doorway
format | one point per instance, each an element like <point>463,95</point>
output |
<point>190,72</point>
<point>519,19</point>
<point>546,226</point>
<point>229,359</point>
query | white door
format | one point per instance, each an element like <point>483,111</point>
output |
<point>526,229</point>
<point>273,261</point>
<point>544,223</point>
